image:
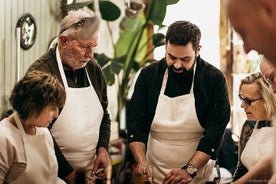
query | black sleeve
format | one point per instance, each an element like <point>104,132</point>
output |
<point>64,168</point>
<point>216,114</point>
<point>100,85</point>
<point>137,112</point>
<point>104,136</point>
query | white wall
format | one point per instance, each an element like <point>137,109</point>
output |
<point>206,15</point>
<point>10,13</point>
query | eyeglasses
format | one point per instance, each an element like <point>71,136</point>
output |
<point>77,24</point>
<point>270,81</point>
<point>248,101</point>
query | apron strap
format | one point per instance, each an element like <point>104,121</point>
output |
<point>19,124</point>
<point>61,70</point>
<point>60,67</point>
<point>256,125</point>
<point>88,77</point>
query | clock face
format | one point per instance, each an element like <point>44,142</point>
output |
<point>28,30</point>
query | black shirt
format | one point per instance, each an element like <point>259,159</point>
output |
<point>211,102</point>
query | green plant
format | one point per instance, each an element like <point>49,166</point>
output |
<point>133,48</point>
<point>109,11</point>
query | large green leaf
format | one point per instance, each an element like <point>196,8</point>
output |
<point>109,75</point>
<point>169,2</point>
<point>102,59</point>
<point>109,11</point>
<point>156,11</point>
<point>142,46</point>
<point>158,39</point>
<point>131,29</point>
<point>118,64</point>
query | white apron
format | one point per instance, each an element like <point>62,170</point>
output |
<point>260,143</point>
<point>77,128</point>
<point>41,160</point>
<point>175,134</point>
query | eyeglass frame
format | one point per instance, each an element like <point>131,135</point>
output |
<point>76,24</point>
<point>248,101</point>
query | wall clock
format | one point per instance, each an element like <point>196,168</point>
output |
<point>28,31</point>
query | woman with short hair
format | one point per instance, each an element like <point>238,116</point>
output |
<point>27,150</point>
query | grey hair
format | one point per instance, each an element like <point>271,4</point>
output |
<point>265,90</point>
<point>72,18</point>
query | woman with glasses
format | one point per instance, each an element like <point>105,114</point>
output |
<point>258,102</point>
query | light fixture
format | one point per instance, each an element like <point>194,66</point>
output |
<point>133,7</point>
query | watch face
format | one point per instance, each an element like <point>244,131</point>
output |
<point>191,170</point>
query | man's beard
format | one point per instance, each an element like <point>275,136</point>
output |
<point>184,72</point>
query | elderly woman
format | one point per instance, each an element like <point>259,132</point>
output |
<point>27,150</point>
<point>258,101</point>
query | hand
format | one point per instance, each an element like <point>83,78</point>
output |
<point>143,168</point>
<point>71,178</point>
<point>143,172</point>
<point>76,177</point>
<point>177,176</point>
<point>102,161</point>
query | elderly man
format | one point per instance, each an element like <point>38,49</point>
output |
<point>269,71</point>
<point>82,130</point>
<point>255,21</point>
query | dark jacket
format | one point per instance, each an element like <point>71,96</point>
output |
<point>211,101</point>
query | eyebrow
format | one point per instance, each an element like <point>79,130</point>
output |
<point>177,57</point>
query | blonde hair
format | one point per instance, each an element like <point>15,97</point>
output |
<point>265,90</point>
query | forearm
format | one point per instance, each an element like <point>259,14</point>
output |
<point>260,173</point>
<point>138,150</point>
<point>199,159</point>
<point>272,179</point>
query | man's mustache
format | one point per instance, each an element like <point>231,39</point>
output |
<point>181,69</point>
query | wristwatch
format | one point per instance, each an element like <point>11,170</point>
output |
<point>191,170</point>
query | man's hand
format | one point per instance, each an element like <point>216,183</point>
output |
<point>177,176</point>
<point>71,178</point>
<point>102,161</point>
